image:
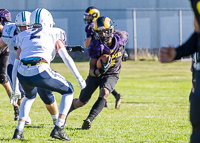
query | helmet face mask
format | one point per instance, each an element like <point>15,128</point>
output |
<point>104,29</point>
<point>91,14</point>
<point>88,18</point>
<point>41,18</point>
<point>22,20</point>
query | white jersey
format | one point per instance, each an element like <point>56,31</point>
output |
<point>40,42</point>
<point>8,35</point>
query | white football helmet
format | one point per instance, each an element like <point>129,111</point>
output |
<point>41,18</point>
<point>22,19</point>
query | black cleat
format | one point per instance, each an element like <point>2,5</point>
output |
<point>16,113</point>
<point>18,134</point>
<point>86,124</point>
<point>59,133</point>
<point>106,104</point>
<point>118,98</point>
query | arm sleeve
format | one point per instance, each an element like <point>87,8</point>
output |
<point>188,48</point>
<point>69,62</point>
<point>14,76</point>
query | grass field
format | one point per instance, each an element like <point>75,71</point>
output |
<point>155,108</point>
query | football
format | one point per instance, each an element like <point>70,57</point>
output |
<point>104,58</point>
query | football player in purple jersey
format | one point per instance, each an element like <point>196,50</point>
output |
<point>106,42</point>
<point>90,15</point>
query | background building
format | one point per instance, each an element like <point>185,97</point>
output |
<point>151,24</point>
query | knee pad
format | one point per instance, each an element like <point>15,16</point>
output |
<point>3,78</point>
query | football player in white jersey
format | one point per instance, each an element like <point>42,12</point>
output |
<point>10,31</point>
<point>37,48</point>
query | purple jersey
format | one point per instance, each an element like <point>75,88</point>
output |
<point>5,17</point>
<point>89,30</point>
<point>120,39</point>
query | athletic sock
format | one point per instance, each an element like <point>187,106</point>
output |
<point>20,125</point>
<point>97,108</point>
<point>114,92</point>
<point>60,122</point>
<point>54,118</point>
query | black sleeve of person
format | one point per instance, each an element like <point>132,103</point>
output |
<point>188,48</point>
<point>75,48</point>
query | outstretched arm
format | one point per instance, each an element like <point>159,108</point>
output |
<point>167,54</point>
<point>16,93</point>
<point>188,48</point>
<point>69,63</point>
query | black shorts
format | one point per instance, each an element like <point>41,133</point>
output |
<point>3,66</point>
<point>104,81</point>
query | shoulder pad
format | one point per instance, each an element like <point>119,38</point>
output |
<point>122,37</point>
<point>9,30</point>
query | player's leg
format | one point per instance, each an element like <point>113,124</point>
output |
<point>65,104</point>
<point>107,85</point>
<point>25,107</point>
<point>53,81</point>
<point>66,89</point>
<point>16,107</point>
<point>49,99</point>
<point>118,98</point>
<point>3,72</point>
<point>195,109</point>
<point>91,85</point>
<point>28,120</point>
<point>5,82</point>
<point>96,109</point>
<point>7,87</point>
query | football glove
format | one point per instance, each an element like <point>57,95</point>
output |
<point>75,48</point>
<point>105,66</point>
<point>125,56</point>
<point>14,98</point>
